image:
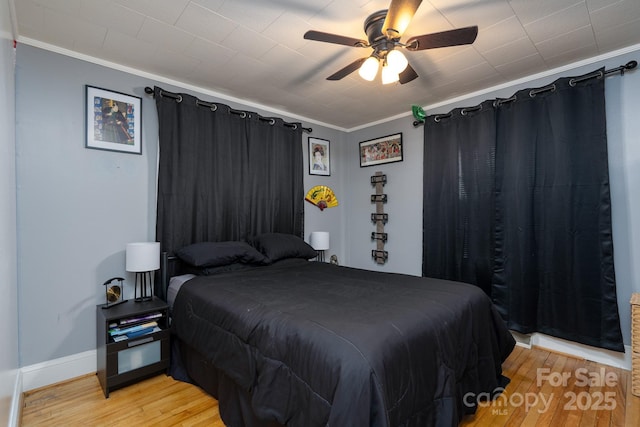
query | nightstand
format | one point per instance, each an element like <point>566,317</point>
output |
<point>130,346</point>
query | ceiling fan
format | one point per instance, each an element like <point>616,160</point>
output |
<point>384,30</point>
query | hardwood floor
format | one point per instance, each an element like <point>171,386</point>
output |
<point>546,389</point>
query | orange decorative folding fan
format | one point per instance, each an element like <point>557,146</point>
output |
<point>321,196</point>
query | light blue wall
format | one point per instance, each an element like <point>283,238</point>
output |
<point>405,182</point>
<point>404,205</point>
<point>8,284</point>
<point>78,207</point>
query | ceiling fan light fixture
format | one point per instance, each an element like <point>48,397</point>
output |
<point>384,29</point>
<point>389,75</point>
<point>397,61</point>
<point>369,68</point>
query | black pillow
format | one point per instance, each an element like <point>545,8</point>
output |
<point>211,271</point>
<point>213,254</point>
<point>277,246</point>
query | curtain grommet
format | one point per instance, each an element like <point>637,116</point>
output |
<point>499,101</point>
<point>466,111</point>
<point>534,92</point>
<point>438,118</point>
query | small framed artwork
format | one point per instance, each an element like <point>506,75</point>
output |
<point>386,149</point>
<point>113,121</point>
<point>319,159</point>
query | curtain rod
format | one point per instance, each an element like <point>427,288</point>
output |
<point>213,106</point>
<point>533,92</point>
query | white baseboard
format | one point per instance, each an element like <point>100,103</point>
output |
<point>57,370</point>
<point>16,402</point>
<point>595,354</point>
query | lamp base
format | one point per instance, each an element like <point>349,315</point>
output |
<point>145,285</point>
<point>320,257</point>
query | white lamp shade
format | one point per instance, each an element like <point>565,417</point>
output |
<point>397,61</point>
<point>389,76</point>
<point>143,256</point>
<point>369,68</point>
<point>319,240</point>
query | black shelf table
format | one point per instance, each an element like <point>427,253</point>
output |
<point>128,361</point>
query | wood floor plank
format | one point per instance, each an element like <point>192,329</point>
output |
<point>517,398</point>
<point>162,401</point>
<point>484,417</point>
<point>544,390</point>
<point>632,405</point>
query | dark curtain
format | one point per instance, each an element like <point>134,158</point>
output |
<point>552,242</point>
<point>224,175</point>
<point>459,159</point>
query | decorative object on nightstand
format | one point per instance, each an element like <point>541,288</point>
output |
<point>143,258</point>
<point>132,342</point>
<point>319,241</point>
<point>113,293</point>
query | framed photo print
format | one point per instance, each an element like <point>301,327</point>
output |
<point>319,159</point>
<point>386,149</point>
<point>113,121</point>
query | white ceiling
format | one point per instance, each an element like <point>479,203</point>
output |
<point>254,49</point>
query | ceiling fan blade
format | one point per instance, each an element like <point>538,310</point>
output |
<point>399,16</point>
<point>347,70</point>
<point>460,36</point>
<point>409,74</point>
<point>334,38</point>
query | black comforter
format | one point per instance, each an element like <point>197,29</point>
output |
<point>314,344</point>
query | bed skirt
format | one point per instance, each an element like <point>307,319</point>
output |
<point>188,365</point>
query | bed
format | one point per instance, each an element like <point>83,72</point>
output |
<point>279,339</point>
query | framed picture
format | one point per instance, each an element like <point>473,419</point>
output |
<point>113,121</point>
<point>387,149</point>
<point>319,159</point>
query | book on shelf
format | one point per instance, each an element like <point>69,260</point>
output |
<point>138,319</point>
<point>142,332</point>
<point>132,329</point>
<point>124,337</point>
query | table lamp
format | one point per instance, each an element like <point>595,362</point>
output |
<point>142,258</point>
<point>320,242</point>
